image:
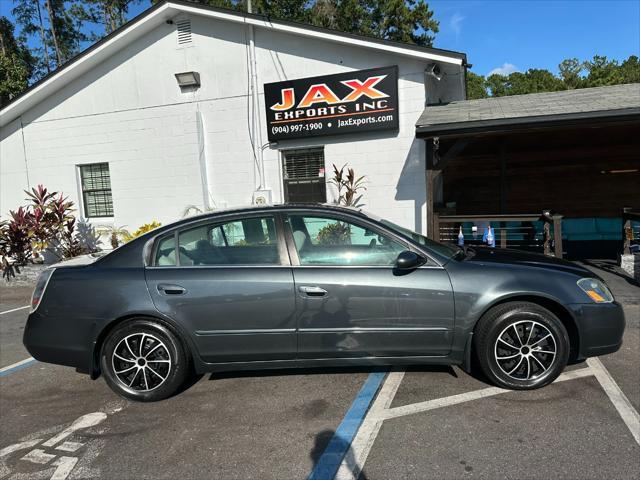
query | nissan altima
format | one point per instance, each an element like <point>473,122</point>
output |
<point>313,286</point>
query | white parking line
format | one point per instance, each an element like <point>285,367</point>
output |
<point>380,411</point>
<point>361,445</point>
<point>629,414</point>
<point>468,396</point>
<point>17,365</point>
<point>14,309</point>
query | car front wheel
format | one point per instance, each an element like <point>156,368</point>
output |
<point>143,360</point>
<point>521,345</point>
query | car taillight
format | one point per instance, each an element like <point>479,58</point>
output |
<point>41,285</point>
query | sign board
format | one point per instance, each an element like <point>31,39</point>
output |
<point>352,102</point>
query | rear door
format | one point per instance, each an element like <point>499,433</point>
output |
<point>229,284</point>
<point>353,302</point>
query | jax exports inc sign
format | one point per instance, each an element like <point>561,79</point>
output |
<point>357,101</point>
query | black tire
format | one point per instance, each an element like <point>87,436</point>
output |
<point>539,332</point>
<point>163,357</point>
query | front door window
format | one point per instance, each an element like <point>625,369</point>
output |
<point>337,242</point>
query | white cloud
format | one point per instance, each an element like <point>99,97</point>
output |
<point>505,69</point>
<point>455,23</point>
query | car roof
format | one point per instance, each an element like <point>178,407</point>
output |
<point>275,207</point>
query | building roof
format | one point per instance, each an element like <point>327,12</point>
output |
<point>167,10</point>
<point>500,113</point>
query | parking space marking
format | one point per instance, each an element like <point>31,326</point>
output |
<point>14,309</point>
<point>86,421</point>
<point>64,464</point>
<point>353,463</point>
<point>467,397</point>
<point>14,367</point>
<point>629,414</point>
<point>38,456</point>
<point>338,447</point>
<point>19,446</point>
<point>361,446</point>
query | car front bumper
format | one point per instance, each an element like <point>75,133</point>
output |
<point>600,327</point>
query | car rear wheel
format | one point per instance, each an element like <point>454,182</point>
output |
<point>521,345</point>
<point>143,360</point>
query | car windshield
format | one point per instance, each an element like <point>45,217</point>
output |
<point>448,251</point>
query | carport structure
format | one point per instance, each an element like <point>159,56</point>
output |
<point>572,152</point>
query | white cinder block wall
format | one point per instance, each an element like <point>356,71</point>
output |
<point>128,111</point>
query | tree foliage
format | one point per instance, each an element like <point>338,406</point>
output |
<point>409,21</point>
<point>598,72</point>
<point>16,63</point>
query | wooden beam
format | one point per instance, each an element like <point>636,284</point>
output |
<point>441,159</point>
<point>503,176</point>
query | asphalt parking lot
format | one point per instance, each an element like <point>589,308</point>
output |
<point>374,424</point>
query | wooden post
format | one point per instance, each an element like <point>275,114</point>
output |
<point>503,235</point>
<point>503,177</point>
<point>546,217</point>
<point>436,227</point>
<point>627,232</point>
<point>557,235</point>
<point>431,180</point>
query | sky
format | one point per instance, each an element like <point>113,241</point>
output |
<point>502,36</point>
<point>515,35</point>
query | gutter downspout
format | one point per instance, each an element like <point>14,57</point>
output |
<point>255,101</point>
<point>24,154</point>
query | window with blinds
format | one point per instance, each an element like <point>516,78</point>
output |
<point>304,176</point>
<point>96,190</point>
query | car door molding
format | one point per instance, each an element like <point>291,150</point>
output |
<point>204,333</point>
<point>375,329</point>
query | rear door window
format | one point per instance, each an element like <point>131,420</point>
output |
<point>248,241</point>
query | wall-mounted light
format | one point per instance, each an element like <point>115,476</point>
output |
<point>433,70</point>
<point>188,79</point>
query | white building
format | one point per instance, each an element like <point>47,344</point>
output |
<point>115,132</point>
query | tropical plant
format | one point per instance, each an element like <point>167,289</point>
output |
<point>349,186</point>
<point>336,233</point>
<point>116,234</point>
<point>147,227</point>
<point>45,225</point>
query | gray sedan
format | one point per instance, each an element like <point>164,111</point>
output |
<point>313,286</point>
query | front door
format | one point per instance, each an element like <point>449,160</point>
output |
<point>352,302</point>
<point>227,283</point>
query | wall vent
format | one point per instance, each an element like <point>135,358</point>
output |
<point>184,31</point>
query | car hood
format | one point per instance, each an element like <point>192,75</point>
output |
<point>526,259</point>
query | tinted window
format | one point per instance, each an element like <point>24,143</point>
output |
<point>441,248</point>
<point>330,241</point>
<point>250,241</point>
<point>166,252</point>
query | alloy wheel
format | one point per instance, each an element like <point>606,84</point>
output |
<point>525,350</point>
<point>141,361</point>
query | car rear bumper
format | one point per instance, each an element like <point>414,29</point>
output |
<point>47,341</point>
<point>600,327</point>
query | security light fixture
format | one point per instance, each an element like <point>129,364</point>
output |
<point>433,70</point>
<point>188,79</point>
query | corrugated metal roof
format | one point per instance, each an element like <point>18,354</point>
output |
<point>546,106</point>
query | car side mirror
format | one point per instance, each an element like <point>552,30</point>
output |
<point>408,260</point>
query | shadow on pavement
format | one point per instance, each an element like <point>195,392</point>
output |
<point>327,445</point>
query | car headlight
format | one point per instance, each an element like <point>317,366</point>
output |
<point>596,290</point>
<point>41,285</point>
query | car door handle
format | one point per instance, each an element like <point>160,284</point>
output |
<point>312,291</point>
<point>171,289</point>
